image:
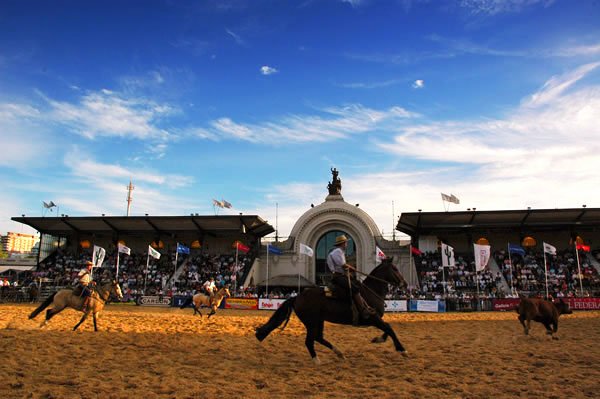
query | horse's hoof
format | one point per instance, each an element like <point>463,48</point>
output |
<point>316,361</point>
<point>339,353</point>
<point>554,337</point>
<point>377,340</point>
<point>404,354</point>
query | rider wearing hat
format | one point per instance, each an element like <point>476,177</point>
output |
<point>85,280</point>
<point>210,288</point>
<point>336,262</point>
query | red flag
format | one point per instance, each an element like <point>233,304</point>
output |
<point>585,248</point>
<point>415,251</point>
<point>241,247</point>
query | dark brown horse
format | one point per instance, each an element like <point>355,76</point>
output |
<point>313,308</point>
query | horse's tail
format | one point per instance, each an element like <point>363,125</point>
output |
<point>43,306</point>
<point>282,314</point>
<point>187,301</point>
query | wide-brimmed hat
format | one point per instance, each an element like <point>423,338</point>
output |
<point>339,240</point>
<point>88,263</point>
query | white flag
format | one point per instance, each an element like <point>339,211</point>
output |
<point>447,256</point>
<point>124,250</point>
<point>549,249</point>
<point>218,203</point>
<point>154,253</point>
<point>306,250</point>
<point>379,255</point>
<point>446,197</point>
<point>98,256</point>
<point>482,256</point>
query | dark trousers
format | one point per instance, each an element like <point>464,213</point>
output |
<point>341,281</point>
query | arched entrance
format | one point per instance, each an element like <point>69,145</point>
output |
<point>324,245</point>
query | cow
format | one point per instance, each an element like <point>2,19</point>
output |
<point>542,311</point>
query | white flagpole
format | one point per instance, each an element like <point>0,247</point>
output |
<point>146,274</point>
<point>579,269</point>
<point>236,259</point>
<point>267,281</point>
<point>117,273</point>
<point>176,254</point>
<point>512,287</point>
<point>546,272</point>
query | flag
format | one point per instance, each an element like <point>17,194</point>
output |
<point>273,250</point>
<point>482,256</point>
<point>415,251</point>
<point>98,256</point>
<point>448,256</point>
<point>379,255</point>
<point>123,249</point>
<point>46,205</point>
<point>582,247</point>
<point>153,252</point>
<point>306,250</point>
<point>226,204</point>
<point>450,198</point>
<point>549,249</point>
<point>182,249</point>
<point>241,247</point>
<point>516,249</point>
<point>218,203</point>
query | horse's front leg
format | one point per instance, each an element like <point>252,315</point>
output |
<point>95,316</point>
<point>379,340</point>
<point>213,311</point>
<point>387,329</point>
<point>85,315</point>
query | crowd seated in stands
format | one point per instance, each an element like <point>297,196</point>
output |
<point>528,273</point>
<point>459,281</point>
<point>61,269</point>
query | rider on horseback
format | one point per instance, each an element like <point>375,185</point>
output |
<point>210,288</point>
<point>85,280</point>
<point>342,278</point>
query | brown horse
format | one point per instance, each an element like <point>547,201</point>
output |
<point>66,299</point>
<point>200,300</point>
<point>313,308</point>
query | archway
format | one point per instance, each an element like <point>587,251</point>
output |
<point>324,245</point>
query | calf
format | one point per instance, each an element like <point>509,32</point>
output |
<point>542,311</point>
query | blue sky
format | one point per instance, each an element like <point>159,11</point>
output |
<point>497,102</point>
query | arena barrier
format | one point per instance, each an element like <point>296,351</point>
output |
<point>400,305</point>
<point>511,304</point>
<point>418,305</point>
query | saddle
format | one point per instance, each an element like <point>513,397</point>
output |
<point>78,290</point>
<point>334,292</point>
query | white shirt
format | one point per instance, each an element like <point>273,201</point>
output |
<point>84,276</point>
<point>209,286</point>
<point>336,260</point>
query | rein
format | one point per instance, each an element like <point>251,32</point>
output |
<point>100,298</point>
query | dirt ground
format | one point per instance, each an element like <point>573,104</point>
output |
<point>168,353</point>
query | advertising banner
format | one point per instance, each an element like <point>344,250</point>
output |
<point>505,304</point>
<point>154,300</point>
<point>583,303</point>
<point>241,303</point>
<point>427,306</point>
<point>400,305</point>
<point>269,304</point>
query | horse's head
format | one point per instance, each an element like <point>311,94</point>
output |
<point>115,289</point>
<point>390,273</point>
<point>226,291</point>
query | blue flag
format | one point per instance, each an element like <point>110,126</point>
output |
<point>182,249</point>
<point>516,249</point>
<point>274,250</point>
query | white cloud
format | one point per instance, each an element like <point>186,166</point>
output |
<point>238,39</point>
<point>372,85</point>
<point>418,84</point>
<point>335,123</point>
<point>106,113</point>
<point>494,7</point>
<point>267,70</point>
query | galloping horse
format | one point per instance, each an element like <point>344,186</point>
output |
<point>66,299</point>
<point>313,308</point>
<point>200,300</point>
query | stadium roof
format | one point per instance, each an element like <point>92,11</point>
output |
<point>418,223</point>
<point>212,225</point>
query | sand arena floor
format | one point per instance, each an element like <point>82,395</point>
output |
<point>168,353</point>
